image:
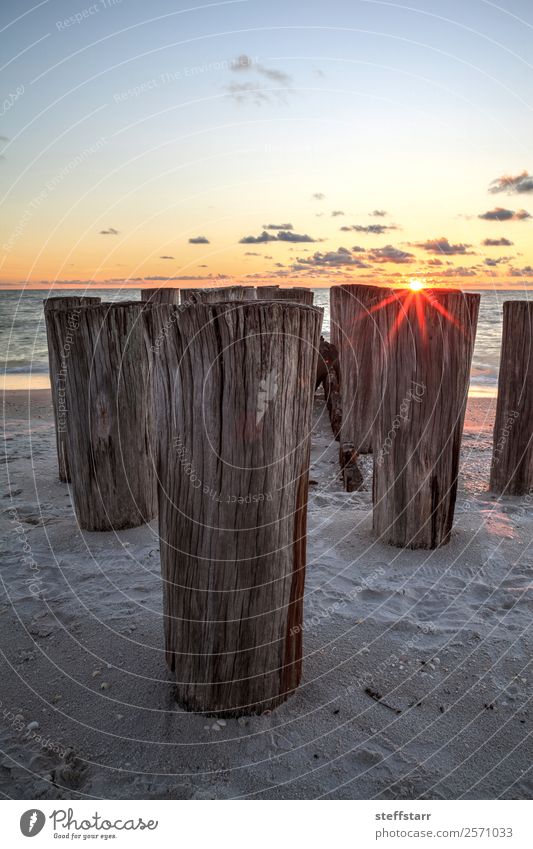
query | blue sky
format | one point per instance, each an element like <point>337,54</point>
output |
<point>130,128</point>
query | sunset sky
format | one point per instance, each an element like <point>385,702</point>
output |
<point>300,143</point>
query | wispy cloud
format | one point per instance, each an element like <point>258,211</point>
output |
<point>442,246</point>
<point>109,232</point>
<point>280,236</point>
<point>501,214</point>
<point>341,257</point>
<point>521,184</point>
<point>379,213</point>
<point>254,92</point>
<point>278,227</point>
<point>371,229</point>
<point>389,254</point>
<point>497,243</point>
<point>318,196</point>
<point>166,257</point>
<point>198,240</point>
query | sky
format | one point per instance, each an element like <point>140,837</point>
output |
<point>300,143</point>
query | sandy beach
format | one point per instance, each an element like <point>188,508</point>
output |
<point>417,680</point>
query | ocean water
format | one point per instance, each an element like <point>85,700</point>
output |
<point>25,359</point>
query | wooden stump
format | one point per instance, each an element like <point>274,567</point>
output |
<point>215,294</point>
<point>512,456</point>
<point>57,347</point>
<point>423,351</point>
<point>110,416</point>
<point>275,293</point>
<point>161,296</point>
<point>234,386</point>
<point>355,316</point>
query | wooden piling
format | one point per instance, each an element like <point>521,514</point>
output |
<point>295,293</point>
<point>512,455</point>
<point>216,294</point>
<point>164,295</point>
<point>110,416</point>
<point>57,348</point>
<point>355,311</point>
<point>423,352</point>
<point>234,386</point>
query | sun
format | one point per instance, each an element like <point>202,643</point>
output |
<point>415,284</point>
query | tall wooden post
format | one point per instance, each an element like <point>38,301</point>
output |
<point>57,347</point>
<point>234,388</point>
<point>356,307</point>
<point>164,295</point>
<point>110,429</point>
<point>512,455</point>
<point>423,351</point>
<point>295,293</point>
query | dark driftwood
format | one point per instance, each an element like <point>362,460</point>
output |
<point>334,306</point>
<point>351,474</point>
<point>423,351</point>
<point>512,456</point>
<point>164,295</point>
<point>296,293</point>
<point>355,311</point>
<point>110,416</point>
<point>215,295</point>
<point>57,351</point>
<point>234,388</point>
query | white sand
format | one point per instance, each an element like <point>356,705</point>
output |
<point>442,636</point>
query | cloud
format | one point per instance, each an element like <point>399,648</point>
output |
<point>458,271</point>
<point>340,257</point>
<point>254,92</point>
<point>373,229</point>
<point>497,243</point>
<point>278,227</point>
<point>521,184</point>
<point>336,213</point>
<point>442,246</point>
<point>109,232</point>
<point>501,214</point>
<point>378,213</point>
<point>521,272</point>
<point>281,236</point>
<point>166,257</point>
<point>497,261</point>
<point>389,254</point>
<point>198,240</point>
<point>318,196</point>
<point>251,253</point>
<point>289,236</point>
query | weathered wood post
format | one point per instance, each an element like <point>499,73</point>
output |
<point>423,351</point>
<point>234,387</point>
<point>214,295</point>
<point>295,293</point>
<point>512,455</point>
<point>267,293</point>
<point>56,350</point>
<point>356,307</point>
<point>334,304</point>
<point>164,295</point>
<point>110,416</point>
